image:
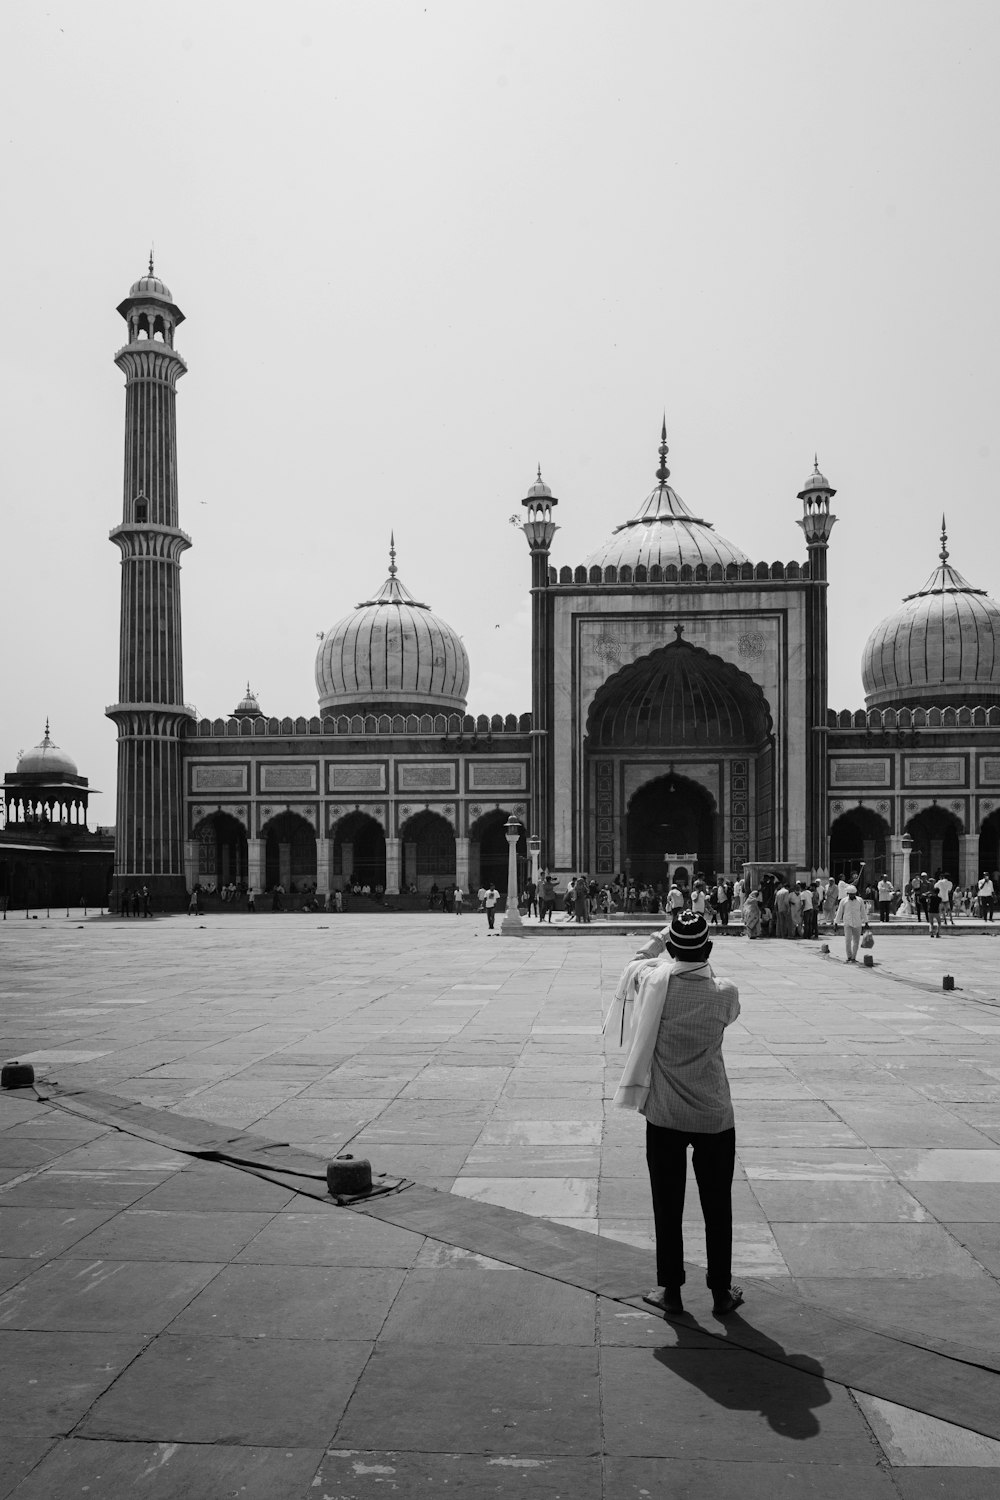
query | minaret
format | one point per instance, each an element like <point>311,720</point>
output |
<point>817,522</point>
<point>539,528</point>
<point>150,713</point>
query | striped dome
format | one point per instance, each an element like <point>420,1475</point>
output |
<point>941,648</point>
<point>679,696</point>
<point>663,531</point>
<point>394,655</point>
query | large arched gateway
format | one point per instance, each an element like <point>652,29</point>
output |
<point>679,761</point>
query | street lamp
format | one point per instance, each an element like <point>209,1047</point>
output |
<point>512,917</point>
<point>535,854</point>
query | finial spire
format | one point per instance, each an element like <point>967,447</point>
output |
<point>539,473</point>
<point>663,473</point>
<point>392,554</point>
<point>944,541</point>
<point>46,726</point>
<point>151,271</point>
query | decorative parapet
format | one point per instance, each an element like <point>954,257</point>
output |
<point>456,727</point>
<point>791,572</point>
<point>882,719</point>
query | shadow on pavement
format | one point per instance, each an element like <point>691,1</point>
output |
<point>786,1394</point>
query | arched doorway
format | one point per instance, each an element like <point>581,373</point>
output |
<point>989,846</point>
<point>222,851</point>
<point>680,704</point>
<point>935,834</point>
<point>427,850</point>
<point>859,837</point>
<point>488,852</point>
<point>359,852</point>
<point>290,854</point>
<point>670,815</point>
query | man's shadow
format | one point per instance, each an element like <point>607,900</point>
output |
<point>759,1376</point>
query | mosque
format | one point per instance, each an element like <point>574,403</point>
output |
<point>678,720</point>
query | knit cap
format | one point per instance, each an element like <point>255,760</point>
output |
<point>689,931</point>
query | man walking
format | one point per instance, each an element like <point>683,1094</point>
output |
<point>675,1076</point>
<point>490,898</point>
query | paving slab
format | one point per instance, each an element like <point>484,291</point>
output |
<point>170,1471</point>
<point>249,1391</point>
<point>350,1474</point>
<point>526,1400</point>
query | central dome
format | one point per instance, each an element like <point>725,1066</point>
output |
<point>941,647</point>
<point>392,655</point>
<point>663,531</point>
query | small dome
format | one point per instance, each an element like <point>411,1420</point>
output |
<point>941,647</point>
<point>151,286</point>
<point>663,532</point>
<point>46,759</point>
<point>392,655</point>
<point>539,490</point>
<point>816,481</point>
<point>248,706</point>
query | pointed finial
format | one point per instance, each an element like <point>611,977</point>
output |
<point>815,463</point>
<point>539,473</point>
<point>151,271</point>
<point>46,728</point>
<point>944,541</point>
<point>392,554</point>
<point>663,473</point>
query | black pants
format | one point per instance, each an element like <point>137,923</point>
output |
<point>883,910</point>
<point>490,915</point>
<point>713,1158</point>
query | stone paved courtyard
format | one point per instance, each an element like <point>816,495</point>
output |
<point>176,1327</point>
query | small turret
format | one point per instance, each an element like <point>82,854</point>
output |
<point>817,521</point>
<point>539,528</point>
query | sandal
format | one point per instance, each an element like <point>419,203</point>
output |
<point>727,1302</point>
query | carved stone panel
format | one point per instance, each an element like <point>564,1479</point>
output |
<point>356,778</point>
<point>509,775</point>
<point>288,778</point>
<point>941,770</point>
<point>418,777</point>
<point>860,772</point>
<point>217,778</point>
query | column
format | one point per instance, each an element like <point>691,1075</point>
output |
<point>968,859</point>
<point>899,862</point>
<point>392,867</point>
<point>322,867</point>
<point>190,863</point>
<point>255,865</point>
<point>462,863</point>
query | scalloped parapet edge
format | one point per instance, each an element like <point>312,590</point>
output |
<point>969,716</point>
<point>762,572</point>
<point>458,726</point>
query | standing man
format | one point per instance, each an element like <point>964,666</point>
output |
<point>675,1076</point>
<point>851,913</point>
<point>782,910</point>
<point>944,888</point>
<point>531,897</point>
<point>489,903</point>
<point>986,893</point>
<point>885,895</point>
<point>459,898</point>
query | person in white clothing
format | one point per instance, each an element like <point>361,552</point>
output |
<point>676,1077</point>
<point>851,914</point>
<point>944,888</point>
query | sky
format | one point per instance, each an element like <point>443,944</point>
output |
<point>422,248</point>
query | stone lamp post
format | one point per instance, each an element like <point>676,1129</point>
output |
<point>512,917</point>
<point>535,855</point>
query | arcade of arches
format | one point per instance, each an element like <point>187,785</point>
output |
<point>290,854</point>
<point>427,852</point>
<point>222,851</point>
<point>359,851</point>
<point>679,759</point>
